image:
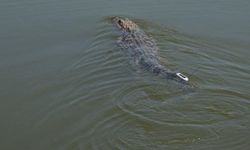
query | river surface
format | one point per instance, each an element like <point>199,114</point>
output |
<point>66,85</point>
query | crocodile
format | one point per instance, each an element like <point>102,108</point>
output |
<point>143,49</point>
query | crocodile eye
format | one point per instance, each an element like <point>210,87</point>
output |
<point>119,22</point>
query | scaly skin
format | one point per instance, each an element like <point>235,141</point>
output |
<point>143,49</point>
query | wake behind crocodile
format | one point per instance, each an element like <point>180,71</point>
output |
<point>143,49</point>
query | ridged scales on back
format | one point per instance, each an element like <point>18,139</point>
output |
<point>143,49</point>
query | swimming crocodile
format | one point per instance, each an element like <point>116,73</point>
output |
<point>143,49</point>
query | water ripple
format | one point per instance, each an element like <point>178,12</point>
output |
<point>136,110</point>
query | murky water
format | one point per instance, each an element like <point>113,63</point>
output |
<point>65,84</point>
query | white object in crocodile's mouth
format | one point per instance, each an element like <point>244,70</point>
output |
<point>182,76</point>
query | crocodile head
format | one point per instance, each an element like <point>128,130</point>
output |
<point>179,77</point>
<point>124,24</point>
